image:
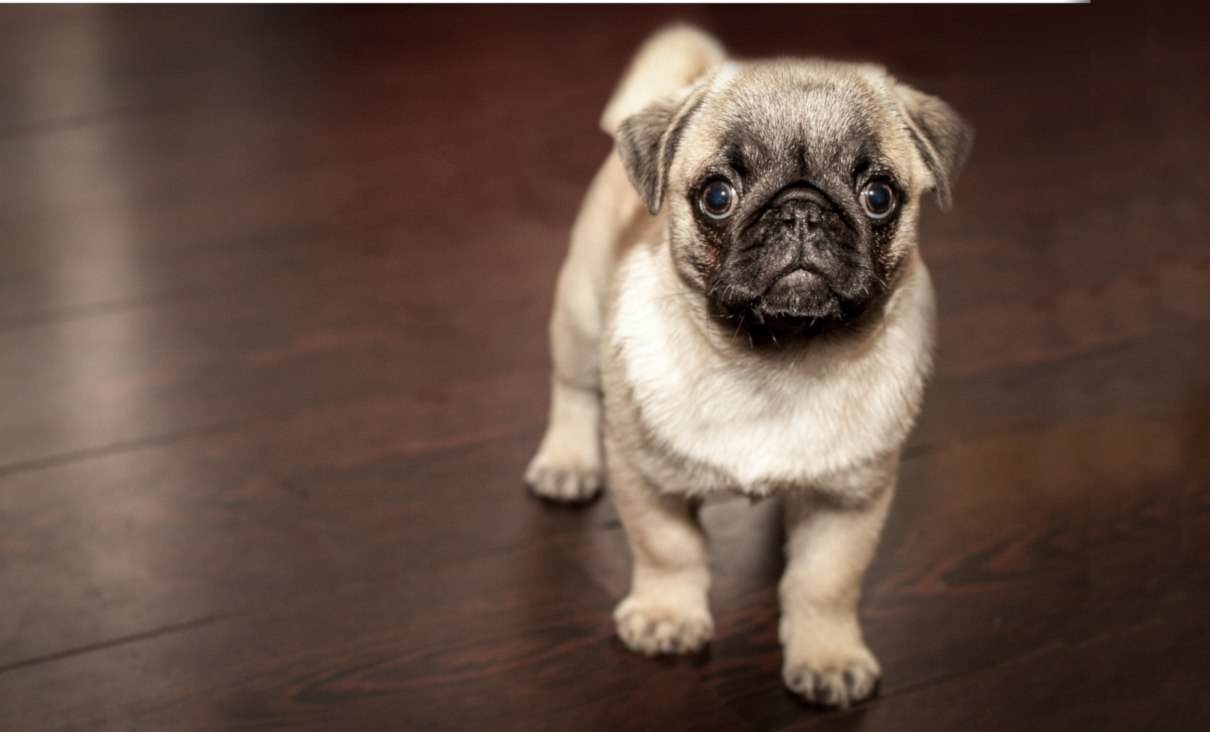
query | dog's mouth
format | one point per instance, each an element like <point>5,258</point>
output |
<point>798,303</point>
<point>798,293</point>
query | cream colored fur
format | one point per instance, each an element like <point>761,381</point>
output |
<point>647,392</point>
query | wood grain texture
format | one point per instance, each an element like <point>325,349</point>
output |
<point>273,291</point>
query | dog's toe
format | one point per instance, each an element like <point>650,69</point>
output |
<point>565,485</point>
<point>653,629</point>
<point>838,685</point>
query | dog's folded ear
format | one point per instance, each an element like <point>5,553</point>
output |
<point>942,136</point>
<point>648,110</point>
<point>647,140</point>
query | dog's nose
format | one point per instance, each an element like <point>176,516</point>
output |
<point>803,204</point>
<point>794,210</point>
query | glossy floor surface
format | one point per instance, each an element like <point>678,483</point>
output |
<point>273,290</point>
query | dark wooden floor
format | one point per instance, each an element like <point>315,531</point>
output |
<point>273,289</point>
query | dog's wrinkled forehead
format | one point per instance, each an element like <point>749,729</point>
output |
<point>820,115</point>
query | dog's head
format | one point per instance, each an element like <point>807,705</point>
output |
<point>793,187</point>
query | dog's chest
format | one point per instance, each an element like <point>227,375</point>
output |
<point>748,421</point>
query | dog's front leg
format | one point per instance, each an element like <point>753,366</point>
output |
<point>829,544</point>
<point>667,609</point>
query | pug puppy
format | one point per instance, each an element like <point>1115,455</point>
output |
<point>744,309</point>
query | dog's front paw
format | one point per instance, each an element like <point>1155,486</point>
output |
<point>835,679</point>
<point>651,628</point>
<point>566,484</point>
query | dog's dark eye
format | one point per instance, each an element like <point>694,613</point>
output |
<point>717,199</point>
<point>877,199</point>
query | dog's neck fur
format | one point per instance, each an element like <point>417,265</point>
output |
<point>762,419</point>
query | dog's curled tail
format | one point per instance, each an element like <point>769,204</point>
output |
<point>669,60</point>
